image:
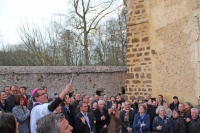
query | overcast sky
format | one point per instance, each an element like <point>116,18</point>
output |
<point>14,12</point>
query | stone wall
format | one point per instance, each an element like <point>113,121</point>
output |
<point>88,80</point>
<point>139,80</point>
<point>171,28</point>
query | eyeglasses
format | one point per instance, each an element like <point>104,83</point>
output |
<point>42,94</point>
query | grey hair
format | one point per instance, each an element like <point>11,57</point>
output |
<point>50,123</point>
<point>158,109</point>
<point>83,96</point>
<point>101,101</point>
<point>195,109</point>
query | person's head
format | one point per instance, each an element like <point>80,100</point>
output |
<point>118,97</point>
<point>148,96</point>
<point>91,100</point>
<point>194,113</point>
<point>188,105</point>
<point>96,97</point>
<point>23,90</point>
<point>101,104</point>
<point>95,105</point>
<point>53,123</point>
<point>18,100</point>
<point>8,123</point>
<point>45,89</point>
<point>145,104</point>
<point>114,105</point>
<point>198,101</point>
<point>161,111</point>
<point>181,107</point>
<point>58,109</point>
<point>112,98</point>
<point>127,105</point>
<point>160,98</point>
<point>3,95</point>
<point>40,96</point>
<point>175,99</point>
<point>85,98</point>
<point>67,100</point>
<point>14,89</point>
<point>7,90</point>
<point>83,106</point>
<point>105,98</point>
<point>77,96</point>
<point>175,113</point>
<point>142,108</point>
<point>166,105</point>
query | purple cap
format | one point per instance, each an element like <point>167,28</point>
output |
<point>33,91</point>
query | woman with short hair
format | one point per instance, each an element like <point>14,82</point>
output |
<point>142,120</point>
<point>161,123</point>
<point>8,123</point>
<point>21,113</point>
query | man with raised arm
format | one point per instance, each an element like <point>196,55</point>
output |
<point>42,107</point>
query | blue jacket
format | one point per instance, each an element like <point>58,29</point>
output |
<point>137,123</point>
<point>166,123</point>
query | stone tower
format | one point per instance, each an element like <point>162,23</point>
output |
<point>163,54</point>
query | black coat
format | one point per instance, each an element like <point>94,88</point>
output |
<point>72,118</point>
<point>126,124</point>
<point>173,106</point>
<point>194,126</point>
<point>152,114</point>
<point>6,108</point>
<point>10,100</point>
<point>179,125</point>
<point>108,105</point>
<point>84,128</point>
<point>100,123</point>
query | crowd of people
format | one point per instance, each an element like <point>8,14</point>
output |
<point>38,113</point>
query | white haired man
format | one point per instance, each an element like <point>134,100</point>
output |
<point>194,124</point>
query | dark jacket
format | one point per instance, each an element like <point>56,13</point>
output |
<point>108,105</point>
<point>173,106</point>
<point>194,126</point>
<point>138,120</point>
<point>6,108</point>
<point>166,123</point>
<point>74,104</point>
<point>125,123</point>
<point>179,125</point>
<point>152,114</point>
<point>71,118</point>
<point>100,123</point>
<point>84,128</point>
<point>10,100</point>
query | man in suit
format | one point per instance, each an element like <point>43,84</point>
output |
<point>84,120</point>
<point>76,101</point>
<point>102,117</point>
<point>107,104</point>
<point>10,98</point>
<point>69,112</point>
<point>126,118</point>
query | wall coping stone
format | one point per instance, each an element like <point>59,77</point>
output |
<point>60,69</point>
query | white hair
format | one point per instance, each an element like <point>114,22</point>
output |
<point>195,109</point>
<point>101,101</point>
<point>158,109</point>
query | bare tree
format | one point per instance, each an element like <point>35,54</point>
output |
<point>86,16</point>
